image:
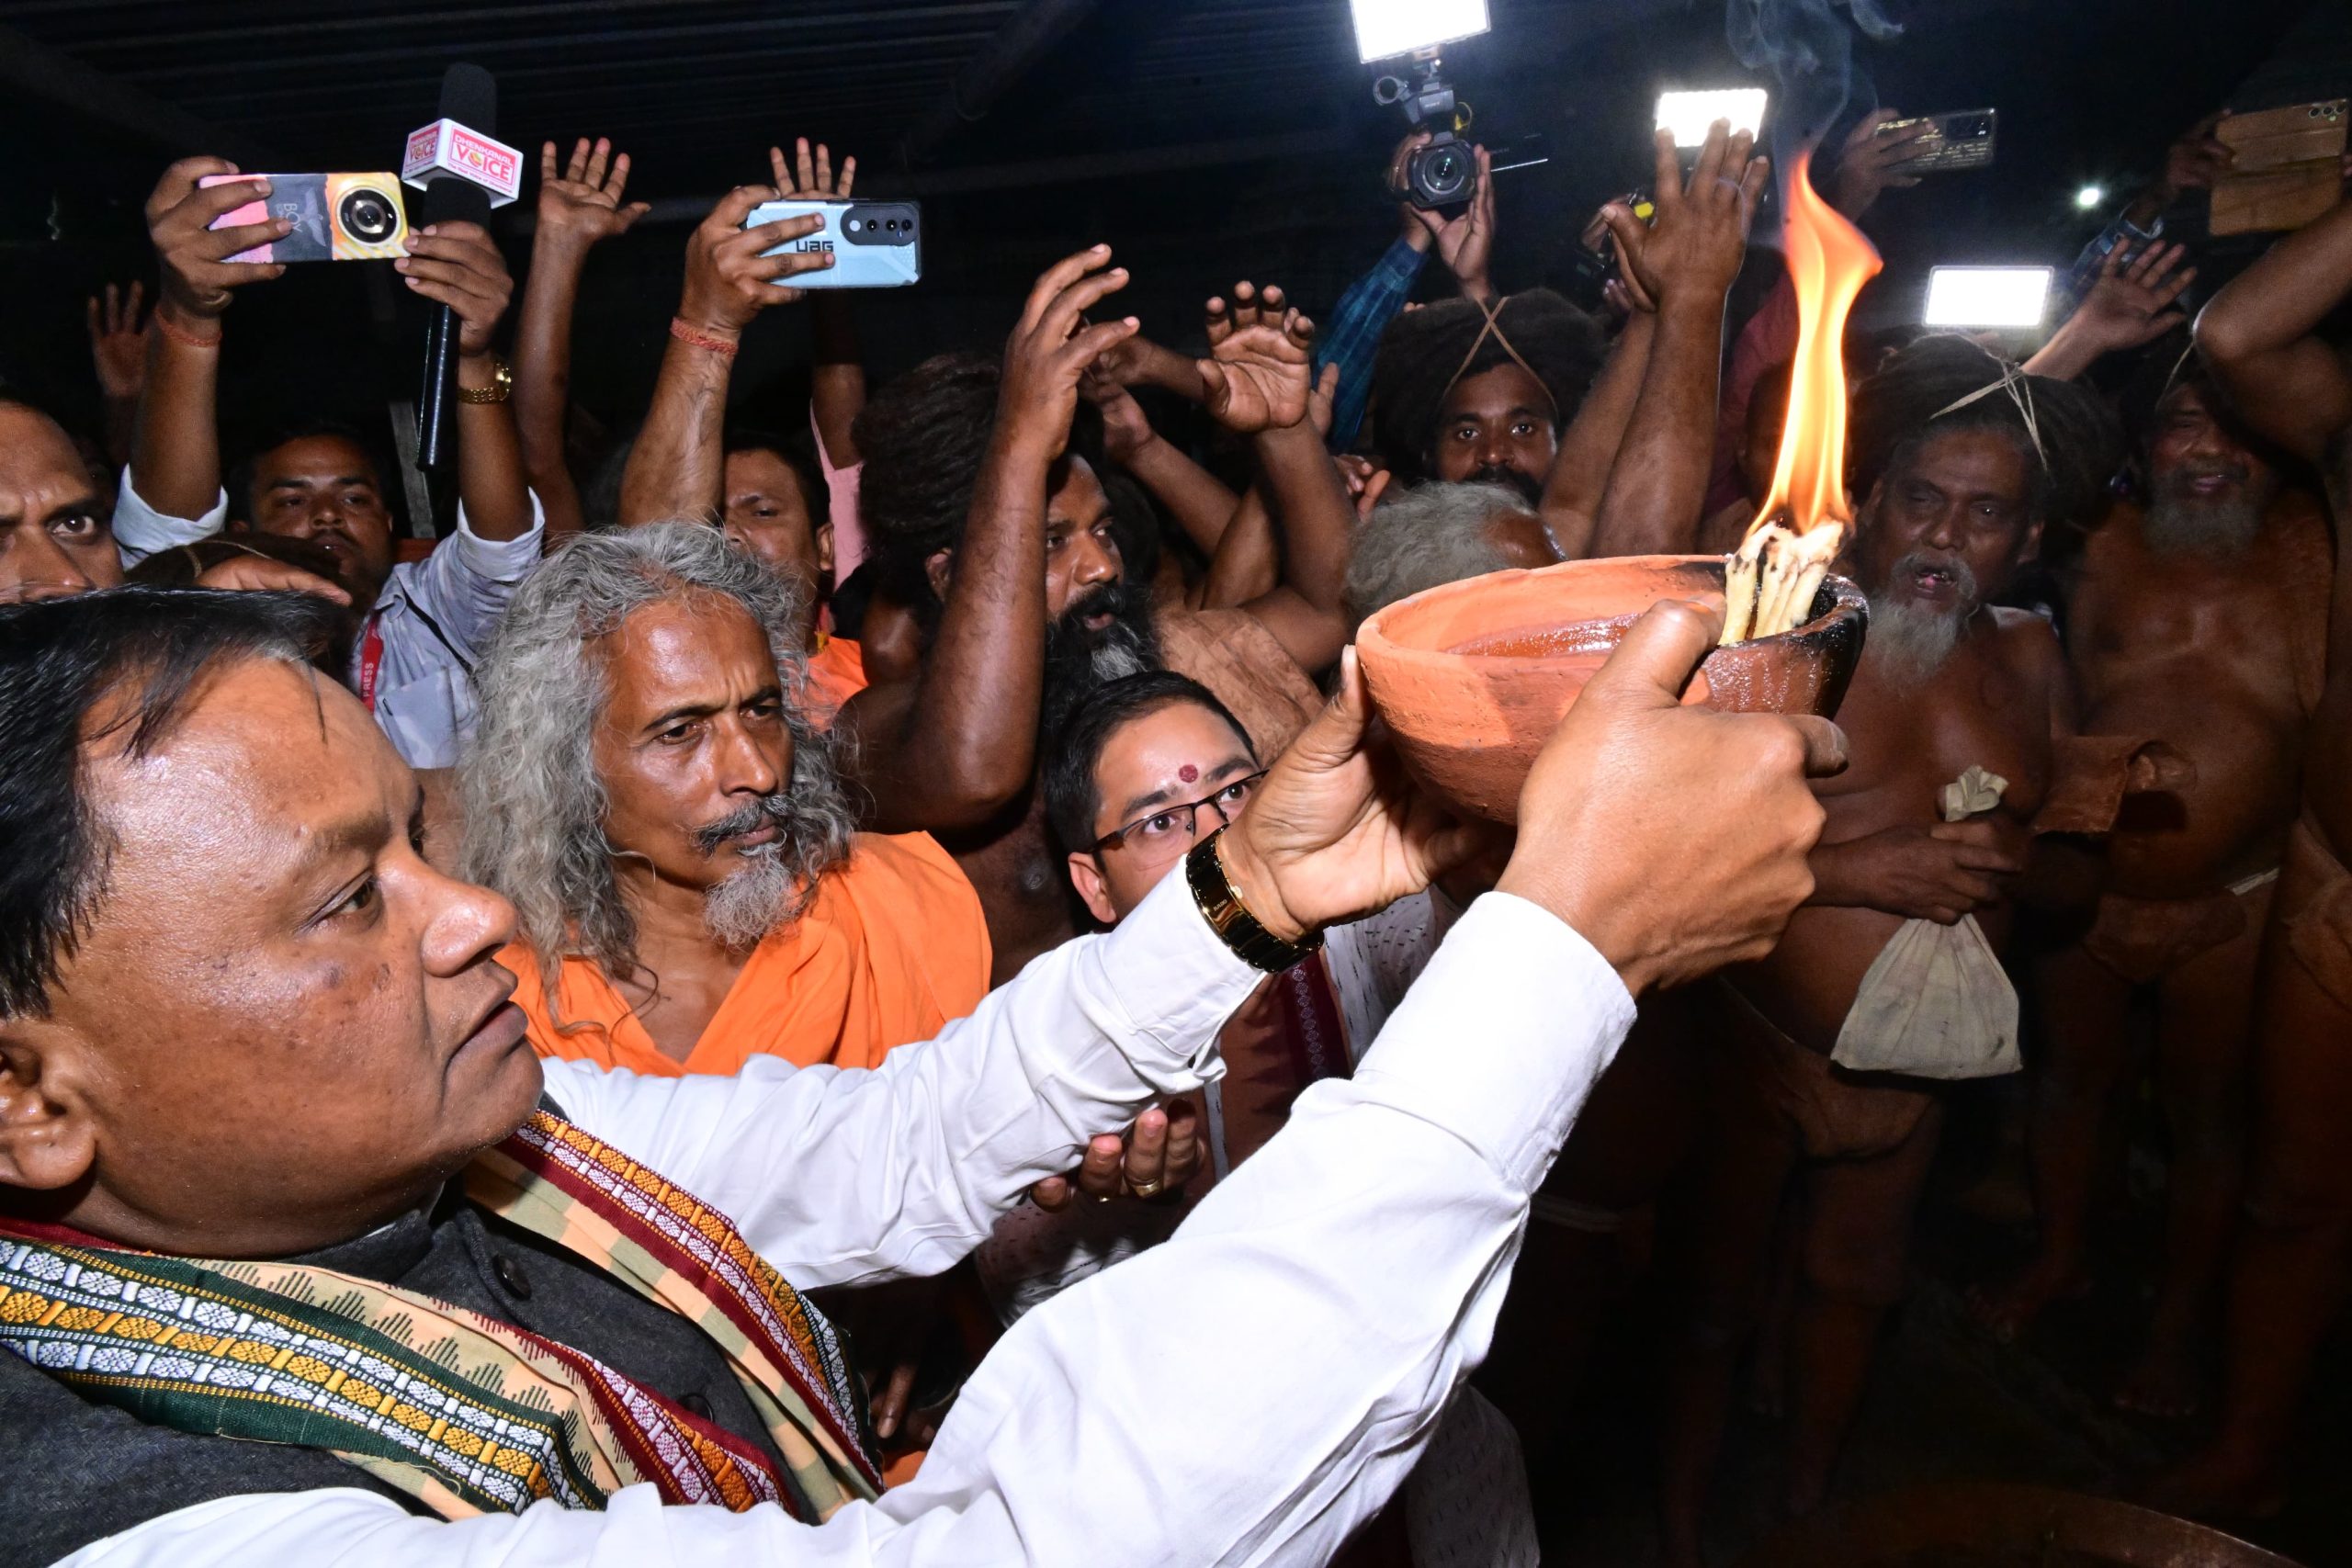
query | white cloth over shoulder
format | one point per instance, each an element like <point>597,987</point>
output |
<point>1131,1420</point>
<point>436,616</point>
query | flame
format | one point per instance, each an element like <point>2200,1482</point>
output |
<point>1828,262</point>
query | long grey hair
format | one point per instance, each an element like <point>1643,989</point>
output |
<point>534,804</point>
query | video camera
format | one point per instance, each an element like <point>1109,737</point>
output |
<point>1443,172</point>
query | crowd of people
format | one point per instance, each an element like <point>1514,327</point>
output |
<point>943,857</point>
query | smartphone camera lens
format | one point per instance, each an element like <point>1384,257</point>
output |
<point>368,215</point>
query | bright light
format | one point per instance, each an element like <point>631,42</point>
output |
<point>1688,115</point>
<point>2089,198</point>
<point>1987,296</point>
<point>1386,28</point>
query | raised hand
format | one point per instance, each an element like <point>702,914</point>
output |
<point>1126,429</point>
<point>2196,160</point>
<point>582,205</point>
<point>118,342</point>
<point>457,265</point>
<point>1258,375</point>
<point>808,178</point>
<point>1691,250</point>
<point>1052,347</point>
<point>2133,303</point>
<point>728,281</point>
<point>1870,162</point>
<point>197,274</point>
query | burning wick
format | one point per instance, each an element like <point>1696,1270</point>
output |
<point>1187,772</point>
<point>1769,581</point>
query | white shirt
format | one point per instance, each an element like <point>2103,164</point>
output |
<point>436,616</point>
<point>1192,1406</point>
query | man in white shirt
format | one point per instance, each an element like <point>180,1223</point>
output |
<point>269,1031</point>
<point>426,622</point>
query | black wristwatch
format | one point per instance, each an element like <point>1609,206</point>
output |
<point>1230,918</point>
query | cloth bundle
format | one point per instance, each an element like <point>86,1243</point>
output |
<point>1937,1003</point>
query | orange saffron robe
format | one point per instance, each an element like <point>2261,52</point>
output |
<point>893,947</point>
<point>836,673</point>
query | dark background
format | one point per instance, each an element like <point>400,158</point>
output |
<point>1206,140</point>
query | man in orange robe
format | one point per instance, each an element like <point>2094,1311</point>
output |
<point>670,829</point>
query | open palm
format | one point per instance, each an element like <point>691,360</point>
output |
<point>584,202</point>
<point>1258,375</point>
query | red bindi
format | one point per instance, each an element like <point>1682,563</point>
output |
<point>1187,772</point>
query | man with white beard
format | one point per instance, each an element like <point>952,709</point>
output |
<point>1961,462</point>
<point>2199,619</point>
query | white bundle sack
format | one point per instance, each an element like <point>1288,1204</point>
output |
<point>1937,1003</point>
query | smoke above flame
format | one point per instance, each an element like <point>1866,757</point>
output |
<point>1829,261</point>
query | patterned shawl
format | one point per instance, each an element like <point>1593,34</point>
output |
<point>464,1412</point>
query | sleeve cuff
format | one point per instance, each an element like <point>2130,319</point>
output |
<point>1503,1037</point>
<point>1176,982</point>
<point>503,560</point>
<point>140,530</point>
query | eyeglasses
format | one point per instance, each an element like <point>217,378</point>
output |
<point>1174,825</point>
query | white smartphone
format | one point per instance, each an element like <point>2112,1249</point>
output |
<point>1688,115</point>
<point>875,244</point>
<point>1987,296</point>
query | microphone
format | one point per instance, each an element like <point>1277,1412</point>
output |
<point>463,174</point>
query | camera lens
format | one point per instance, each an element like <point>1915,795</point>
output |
<point>1444,172</point>
<point>368,215</point>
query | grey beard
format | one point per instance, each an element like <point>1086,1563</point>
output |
<point>1122,653</point>
<point>2176,526</point>
<point>1910,642</point>
<point>741,909</point>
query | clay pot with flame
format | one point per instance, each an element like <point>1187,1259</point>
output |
<point>1473,677</point>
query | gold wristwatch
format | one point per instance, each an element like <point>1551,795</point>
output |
<point>1221,904</point>
<point>500,387</point>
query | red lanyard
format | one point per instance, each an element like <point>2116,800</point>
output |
<point>371,660</point>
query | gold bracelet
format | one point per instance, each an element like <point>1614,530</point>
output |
<point>500,387</point>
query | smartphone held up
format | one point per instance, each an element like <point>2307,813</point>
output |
<point>875,244</point>
<point>335,217</point>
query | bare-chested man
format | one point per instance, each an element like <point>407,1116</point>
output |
<point>2289,1274</point>
<point>2198,619</point>
<point>1003,542</point>
<point>1956,499</point>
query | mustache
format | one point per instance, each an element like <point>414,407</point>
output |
<point>1119,599</point>
<point>1505,475</point>
<point>749,818</point>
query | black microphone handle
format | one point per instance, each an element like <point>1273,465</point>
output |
<point>436,437</point>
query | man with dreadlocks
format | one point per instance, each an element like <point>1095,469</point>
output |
<point>1963,461</point>
<point>2198,616</point>
<point>1002,538</point>
<point>648,790</point>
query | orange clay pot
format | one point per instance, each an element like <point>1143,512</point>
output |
<point>1473,677</point>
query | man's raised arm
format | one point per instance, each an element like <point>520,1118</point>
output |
<point>2257,336</point>
<point>949,748</point>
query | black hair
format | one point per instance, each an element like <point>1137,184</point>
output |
<point>797,450</point>
<point>1422,357</point>
<point>922,437</point>
<point>240,482</point>
<point>1071,798</point>
<point>1945,382</point>
<point>60,659</point>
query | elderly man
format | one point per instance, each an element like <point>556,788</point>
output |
<point>2288,379</point>
<point>1438,533</point>
<point>1002,543</point>
<point>483,1304</point>
<point>647,791</point>
<point>2199,617</point>
<point>1957,491</point>
<point>426,622</point>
